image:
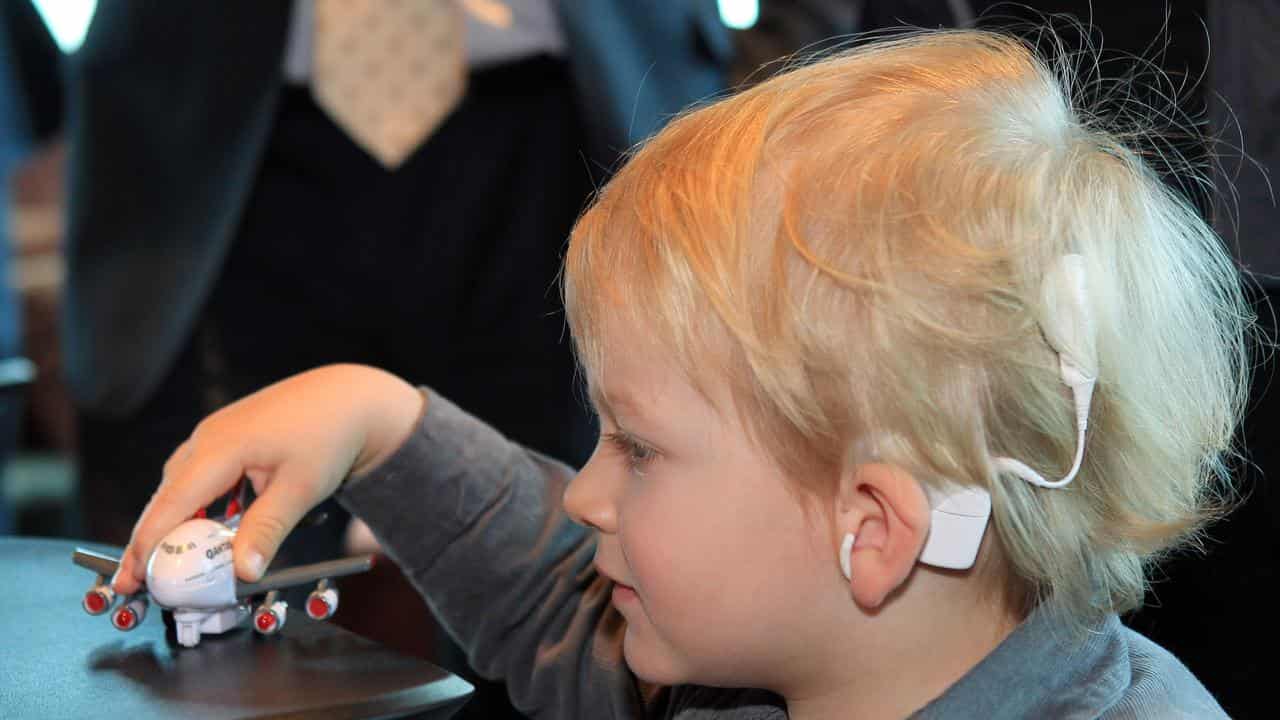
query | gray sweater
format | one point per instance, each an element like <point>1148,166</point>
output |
<point>475,522</point>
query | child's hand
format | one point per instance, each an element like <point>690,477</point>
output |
<point>295,440</point>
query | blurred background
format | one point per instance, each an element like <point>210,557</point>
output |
<point>191,209</point>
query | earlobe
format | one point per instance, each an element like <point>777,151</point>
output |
<point>888,512</point>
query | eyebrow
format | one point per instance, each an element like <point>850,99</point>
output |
<point>619,401</point>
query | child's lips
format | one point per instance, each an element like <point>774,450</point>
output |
<point>624,594</point>
<point>621,590</point>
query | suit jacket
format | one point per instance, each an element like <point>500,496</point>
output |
<point>171,106</point>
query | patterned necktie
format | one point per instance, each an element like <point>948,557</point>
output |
<point>388,71</point>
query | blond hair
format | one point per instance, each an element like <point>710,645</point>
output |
<point>857,246</point>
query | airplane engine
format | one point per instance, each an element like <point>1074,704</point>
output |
<point>131,614</point>
<point>100,597</point>
<point>322,603</point>
<point>270,615</point>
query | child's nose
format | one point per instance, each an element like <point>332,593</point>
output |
<point>591,498</point>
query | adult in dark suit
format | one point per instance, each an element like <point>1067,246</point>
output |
<point>225,233</point>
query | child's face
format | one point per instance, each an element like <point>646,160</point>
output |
<point>722,578</point>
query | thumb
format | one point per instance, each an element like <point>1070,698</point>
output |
<point>268,521</point>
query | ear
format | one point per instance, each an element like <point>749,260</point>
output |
<point>887,510</point>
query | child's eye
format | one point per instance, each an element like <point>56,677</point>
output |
<point>638,454</point>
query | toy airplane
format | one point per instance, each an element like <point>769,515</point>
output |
<point>190,574</point>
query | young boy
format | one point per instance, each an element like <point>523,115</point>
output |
<point>904,370</point>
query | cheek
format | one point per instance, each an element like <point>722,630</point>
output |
<point>663,542</point>
<point>676,546</point>
<point>719,573</point>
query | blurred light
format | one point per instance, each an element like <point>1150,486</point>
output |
<point>67,20</point>
<point>739,14</point>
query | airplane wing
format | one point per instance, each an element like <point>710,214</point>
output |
<point>104,565</point>
<point>300,574</point>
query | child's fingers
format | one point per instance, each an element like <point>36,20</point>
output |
<point>270,519</point>
<point>189,484</point>
<point>129,577</point>
<point>124,582</point>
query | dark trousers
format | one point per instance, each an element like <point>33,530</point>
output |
<point>1211,609</point>
<point>443,272</point>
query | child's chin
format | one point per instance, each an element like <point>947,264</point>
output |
<point>649,663</point>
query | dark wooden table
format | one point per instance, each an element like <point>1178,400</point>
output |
<point>56,661</point>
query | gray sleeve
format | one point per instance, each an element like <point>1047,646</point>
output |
<point>475,522</point>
